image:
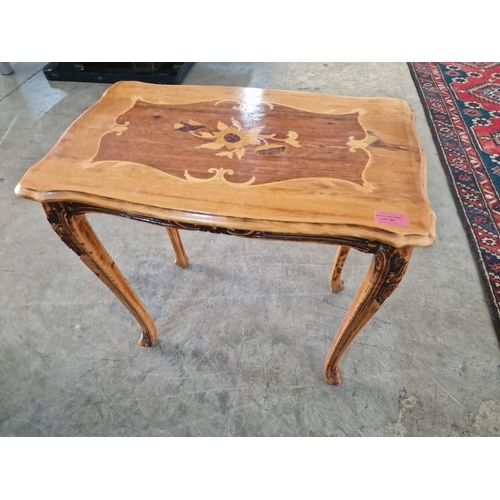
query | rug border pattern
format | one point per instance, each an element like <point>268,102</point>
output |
<point>441,94</point>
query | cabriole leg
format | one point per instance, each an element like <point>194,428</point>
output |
<point>75,231</point>
<point>181,259</point>
<point>386,271</point>
<point>336,284</point>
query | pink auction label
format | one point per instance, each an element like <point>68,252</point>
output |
<point>392,219</point>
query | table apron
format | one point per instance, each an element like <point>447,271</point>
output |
<point>361,244</point>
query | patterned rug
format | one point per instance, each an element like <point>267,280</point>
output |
<point>462,104</point>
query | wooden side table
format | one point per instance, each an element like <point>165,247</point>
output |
<point>244,162</point>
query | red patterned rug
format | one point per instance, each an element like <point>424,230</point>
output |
<point>462,104</point>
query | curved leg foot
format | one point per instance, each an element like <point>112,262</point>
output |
<point>334,377</point>
<point>386,271</point>
<point>76,232</point>
<point>336,284</point>
<point>181,258</point>
<point>145,340</point>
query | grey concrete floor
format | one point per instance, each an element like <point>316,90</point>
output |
<point>244,332</point>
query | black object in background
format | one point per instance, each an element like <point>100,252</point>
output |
<point>112,72</point>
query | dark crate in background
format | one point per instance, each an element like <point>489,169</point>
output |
<point>112,72</point>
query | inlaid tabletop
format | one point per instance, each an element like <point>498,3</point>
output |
<point>248,159</point>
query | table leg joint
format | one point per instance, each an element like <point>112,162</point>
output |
<point>397,268</point>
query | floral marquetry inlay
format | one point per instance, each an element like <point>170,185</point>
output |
<point>234,139</point>
<point>243,143</point>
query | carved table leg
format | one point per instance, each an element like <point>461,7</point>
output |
<point>75,231</point>
<point>181,259</point>
<point>336,284</point>
<point>386,271</point>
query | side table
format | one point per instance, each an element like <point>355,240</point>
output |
<point>246,162</point>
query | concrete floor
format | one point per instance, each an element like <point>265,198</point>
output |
<point>245,330</point>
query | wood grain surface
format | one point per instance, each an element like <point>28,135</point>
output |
<point>267,145</point>
<point>246,160</point>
